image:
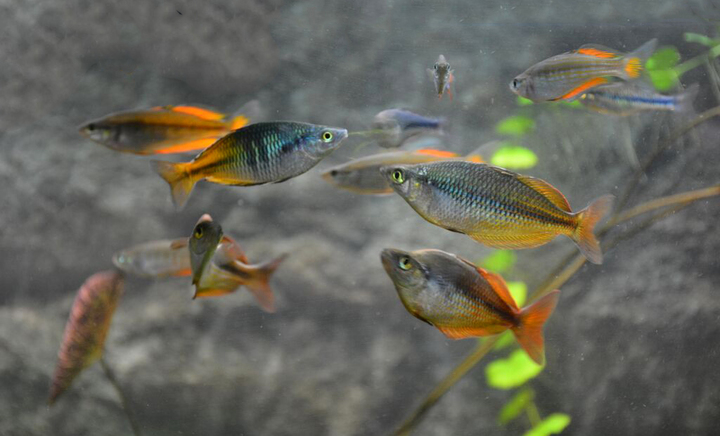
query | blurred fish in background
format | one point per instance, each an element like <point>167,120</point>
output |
<point>395,126</point>
<point>442,76</point>
<point>631,98</point>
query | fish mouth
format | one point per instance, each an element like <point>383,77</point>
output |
<point>388,258</point>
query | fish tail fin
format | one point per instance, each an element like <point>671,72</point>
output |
<point>634,62</point>
<point>260,286</point>
<point>684,100</point>
<point>178,177</point>
<point>249,112</point>
<point>583,235</point>
<point>529,328</point>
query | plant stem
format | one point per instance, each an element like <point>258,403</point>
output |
<point>533,414</point>
<point>697,61</point>
<point>110,375</point>
<point>559,277</point>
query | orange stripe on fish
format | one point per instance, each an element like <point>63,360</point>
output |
<point>198,144</point>
<point>633,67</point>
<point>596,53</point>
<point>584,87</point>
<point>436,153</point>
<point>199,112</point>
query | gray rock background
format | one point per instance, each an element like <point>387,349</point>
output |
<point>632,348</point>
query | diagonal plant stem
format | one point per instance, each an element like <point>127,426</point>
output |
<point>110,375</point>
<point>556,279</point>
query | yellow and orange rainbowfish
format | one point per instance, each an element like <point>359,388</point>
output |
<point>496,207</point>
<point>86,328</point>
<point>166,129</point>
<point>570,75</point>
<point>463,301</point>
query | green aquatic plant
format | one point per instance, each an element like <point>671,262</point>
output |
<point>500,261</point>
<point>517,125</point>
<point>664,67</point>
<point>511,372</point>
<point>514,157</point>
<point>553,424</point>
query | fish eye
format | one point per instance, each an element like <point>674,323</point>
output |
<point>515,83</point>
<point>398,176</point>
<point>91,127</point>
<point>198,233</point>
<point>327,136</point>
<point>404,263</point>
<point>435,66</point>
<point>333,173</point>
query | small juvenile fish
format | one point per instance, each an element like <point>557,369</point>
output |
<point>216,273</point>
<point>442,75</point>
<point>569,75</point>
<point>362,176</point>
<point>495,206</point>
<point>630,98</point>
<point>86,328</point>
<point>259,153</point>
<point>165,129</point>
<point>463,301</point>
<point>167,258</point>
<point>398,125</point>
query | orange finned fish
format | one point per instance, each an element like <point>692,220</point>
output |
<point>86,328</point>
<point>569,75</point>
<point>495,206</point>
<point>463,301</point>
<point>166,129</point>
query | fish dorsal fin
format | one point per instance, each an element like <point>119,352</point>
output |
<point>496,282</point>
<point>436,153</point>
<point>205,114</point>
<point>598,51</point>
<point>582,88</point>
<point>499,286</point>
<point>547,190</point>
<point>234,251</point>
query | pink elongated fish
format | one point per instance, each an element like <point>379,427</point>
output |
<point>87,328</point>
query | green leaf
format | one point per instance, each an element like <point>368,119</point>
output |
<point>666,57</point>
<point>506,339</point>
<point>511,372</point>
<point>514,157</point>
<point>553,424</point>
<point>522,101</point>
<point>518,290</point>
<point>515,126</point>
<point>499,262</point>
<point>664,80</point>
<point>515,406</point>
<point>701,39</point>
<point>574,103</point>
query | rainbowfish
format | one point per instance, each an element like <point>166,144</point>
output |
<point>216,273</point>
<point>165,129</point>
<point>362,176</point>
<point>398,125</point>
<point>442,75</point>
<point>167,258</point>
<point>495,206</point>
<point>86,328</point>
<point>630,98</point>
<point>463,301</point>
<point>569,75</point>
<point>259,153</point>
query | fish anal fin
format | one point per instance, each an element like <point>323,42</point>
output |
<point>577,91</point>
<point>547,190</point>
<point>471,332</point>
<point>506,242</point>
<point>213,292</point>
<point>436,153</point>
<point>185,147</point>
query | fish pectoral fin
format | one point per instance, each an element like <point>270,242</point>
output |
<point>579,90</point>
<point>546,190</point>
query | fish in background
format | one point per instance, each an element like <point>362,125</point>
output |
<point>569,75</point>
<point>630,98</point>
<point>496,207</point>
<point>395,126</point>
<point>216,273</point>
<point>463,301</point>
<point>166,129</point>
<point>167,258</point>
<point>260,153</point>
<point>442,76</point>
<point>362,176</point>
<point>86,328</point>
